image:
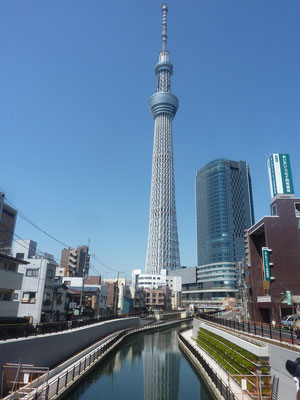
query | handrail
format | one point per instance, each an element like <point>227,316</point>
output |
<point>260,329</point>
<point>15,331</point>
<point>218,382</point>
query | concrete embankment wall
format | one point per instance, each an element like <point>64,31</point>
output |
<point>50,349</point>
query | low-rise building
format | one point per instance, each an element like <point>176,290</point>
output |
<point>36,294</point>
<point>75,261</point>
<point>8,217</point>
<point>158,299</point>
<point>10,284</point>
<point>94,295</point>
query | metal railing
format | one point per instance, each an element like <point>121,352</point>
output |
<point>217,381</point>
<point>14,331</point>
<point>278,332</point>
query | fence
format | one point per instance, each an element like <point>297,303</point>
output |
<point>219,384</point>
<point>278,332</point>
<point>14,331</point>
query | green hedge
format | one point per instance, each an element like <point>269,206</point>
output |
<point>247,365</point>
<point>245,353</point>
<point>231,367</point>
<point>238,367</point>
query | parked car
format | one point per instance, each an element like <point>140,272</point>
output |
<point>289,320</point>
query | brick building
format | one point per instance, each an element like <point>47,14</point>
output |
<point>277,237</point>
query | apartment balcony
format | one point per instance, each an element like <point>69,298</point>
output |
<point>10,279</point>
<point>9,308</point>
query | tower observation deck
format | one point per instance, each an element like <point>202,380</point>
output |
<point>163,246</point>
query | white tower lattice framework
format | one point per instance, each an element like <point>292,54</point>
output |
<point>163,247</point>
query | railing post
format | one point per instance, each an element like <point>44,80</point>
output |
<point>262,330</point>
<point>248,327</point>
<point>270,326</point>
<point>243,326</point>
<point>280,333</point>
<point>292,337</point>
<point>254,328</point>
<point>57,387</point>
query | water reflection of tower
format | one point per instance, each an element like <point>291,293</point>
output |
<point>161,359</point>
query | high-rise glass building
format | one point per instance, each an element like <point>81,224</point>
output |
<point>163,247</point>
<point>224,209</point>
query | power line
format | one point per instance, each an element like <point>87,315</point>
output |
<point>103,264</point>
<point>22,215</point>
<point>26,247</point>
<point>35,225</point>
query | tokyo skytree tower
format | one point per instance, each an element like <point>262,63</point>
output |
<point>163,247</point>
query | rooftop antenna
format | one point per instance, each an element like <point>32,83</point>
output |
<point>164,26</point>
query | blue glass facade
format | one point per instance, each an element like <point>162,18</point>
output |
<point>224,209</point>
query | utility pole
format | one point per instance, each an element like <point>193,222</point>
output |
<point>116,297</point>
<point>83,275</point>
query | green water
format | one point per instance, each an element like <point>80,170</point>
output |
<point>148,366</point>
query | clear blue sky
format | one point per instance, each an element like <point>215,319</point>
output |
<point>77,133</point>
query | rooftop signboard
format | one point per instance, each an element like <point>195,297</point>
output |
<point>280,175</point>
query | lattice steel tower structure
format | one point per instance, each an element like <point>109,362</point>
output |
<point>163,247</point>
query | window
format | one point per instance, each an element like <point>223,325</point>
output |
<point>47,301</point>
<point>20,255</point>
<point>5,295</point>
<point>32,272</point>
<point>297,210</point>
<point>59,298</point>
<point>50,273</point>
<point>28,297</point>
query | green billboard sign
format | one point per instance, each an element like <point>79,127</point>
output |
<point>266,263</point>
<point>280,175</point>
<point>286,174</point>
<point>288,297</point>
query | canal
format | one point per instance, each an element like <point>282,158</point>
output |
<point>147,366</point>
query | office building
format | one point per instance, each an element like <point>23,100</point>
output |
<point>163,246</point>
<point>224,209</point>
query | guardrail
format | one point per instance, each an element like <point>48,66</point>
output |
<point>278,332</point>
<point>219,384</point>
<point>15,331</point>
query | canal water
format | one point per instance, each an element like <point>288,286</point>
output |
<point>148,366</point>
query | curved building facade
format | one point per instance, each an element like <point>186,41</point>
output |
<point>224,209</point>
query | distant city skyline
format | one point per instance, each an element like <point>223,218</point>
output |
<point>77,134</point>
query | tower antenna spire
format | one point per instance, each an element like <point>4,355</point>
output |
<point>164,26</point>
<point>163,245</point>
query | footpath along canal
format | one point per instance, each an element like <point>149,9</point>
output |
<point>147,366</point>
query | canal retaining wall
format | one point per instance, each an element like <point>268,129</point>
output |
<point>51,349</point>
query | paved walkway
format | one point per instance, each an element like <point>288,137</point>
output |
<point>235,388</point>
